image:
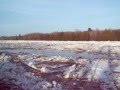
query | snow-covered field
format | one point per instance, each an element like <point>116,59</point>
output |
<point>60,65</point>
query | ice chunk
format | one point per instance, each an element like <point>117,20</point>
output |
<point>46,85</point>
<point>56,86</point>
<point>2,58</point>
<point>69,71</point>
<point>7,58</point>
<point>31,64</point>
<point>98,69</point>
<point>117,69</point>
<point>45,70</point>
<point>115,62</point>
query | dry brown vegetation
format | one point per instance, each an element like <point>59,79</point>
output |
<point>97,35</point>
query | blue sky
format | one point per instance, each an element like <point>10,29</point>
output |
<point>26,16</point>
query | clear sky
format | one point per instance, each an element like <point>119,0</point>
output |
<point>26,16</point>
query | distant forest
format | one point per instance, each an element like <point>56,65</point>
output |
<point>89,35</point>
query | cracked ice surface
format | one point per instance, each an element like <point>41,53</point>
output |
<point>17,74</point>
<point>59,65</point>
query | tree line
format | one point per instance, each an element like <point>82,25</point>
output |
<point>89,35</point>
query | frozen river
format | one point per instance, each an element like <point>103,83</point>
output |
<point>60,65</point>
<point>53,52</point>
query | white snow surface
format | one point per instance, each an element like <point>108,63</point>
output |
<point>60,65</point>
